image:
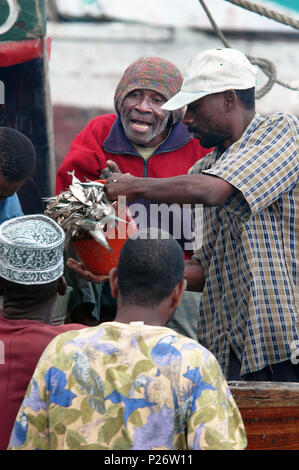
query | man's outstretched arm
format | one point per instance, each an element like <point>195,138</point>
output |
<point>186,189</point>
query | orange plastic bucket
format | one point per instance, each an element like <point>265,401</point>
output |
<point>95,256</point>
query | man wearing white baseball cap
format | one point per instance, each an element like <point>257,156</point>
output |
<point>248,264</point>
<point>213,71</point>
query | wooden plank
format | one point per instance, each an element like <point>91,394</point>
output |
<point>266,394</point>
<point>22,19</point>
<point>270,412</point>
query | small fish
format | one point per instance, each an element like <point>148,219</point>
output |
<point>100,196</point>
<point>78,192</point>
<point>82,210</point>
<point>70,198</point>
<point>99,236</point>
<point>92,183</point>
<point>88,224</point>
<point>74,178</point>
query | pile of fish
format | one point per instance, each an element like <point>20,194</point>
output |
<point>83,210</point>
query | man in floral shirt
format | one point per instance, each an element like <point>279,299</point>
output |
<point>132,383</point>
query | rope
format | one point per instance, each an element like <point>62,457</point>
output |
<point>263,11</point>
<point>269,70</point>
<point>265,65</point>
<point>215,26</point>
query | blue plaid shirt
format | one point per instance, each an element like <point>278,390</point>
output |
<point>250,247</point>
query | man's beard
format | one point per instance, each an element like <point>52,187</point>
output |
<point>207,140</point>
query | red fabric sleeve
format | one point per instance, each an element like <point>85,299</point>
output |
<point>86,154</point>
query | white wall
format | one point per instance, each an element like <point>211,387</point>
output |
<point>88,59</point>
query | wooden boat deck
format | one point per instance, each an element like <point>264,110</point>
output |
<point>270,412</point>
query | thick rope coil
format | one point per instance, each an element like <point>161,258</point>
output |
<point>269,69</point>
<point>263,11</point>
<point>265,65</point>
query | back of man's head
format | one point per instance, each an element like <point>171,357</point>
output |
<point>17,155</point>
<point>151,264</point>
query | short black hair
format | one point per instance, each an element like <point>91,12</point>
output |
<point>247,97</point>
<point>28,294</point>
<point>17,155</point>
<point>149,267</point>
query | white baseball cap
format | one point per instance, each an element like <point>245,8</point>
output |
<point>213,71</point>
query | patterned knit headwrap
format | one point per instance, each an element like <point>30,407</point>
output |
<point>150,73</point>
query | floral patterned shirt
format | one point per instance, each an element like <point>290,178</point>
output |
<point>127,386</point>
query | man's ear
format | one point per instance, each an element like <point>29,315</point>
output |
<point>61,286</point>
<point>230,100</point>
<point>113,281</point>
<point>178,292</point>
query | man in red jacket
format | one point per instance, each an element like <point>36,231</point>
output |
<point>143,140</point>
<point>31,268</point>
